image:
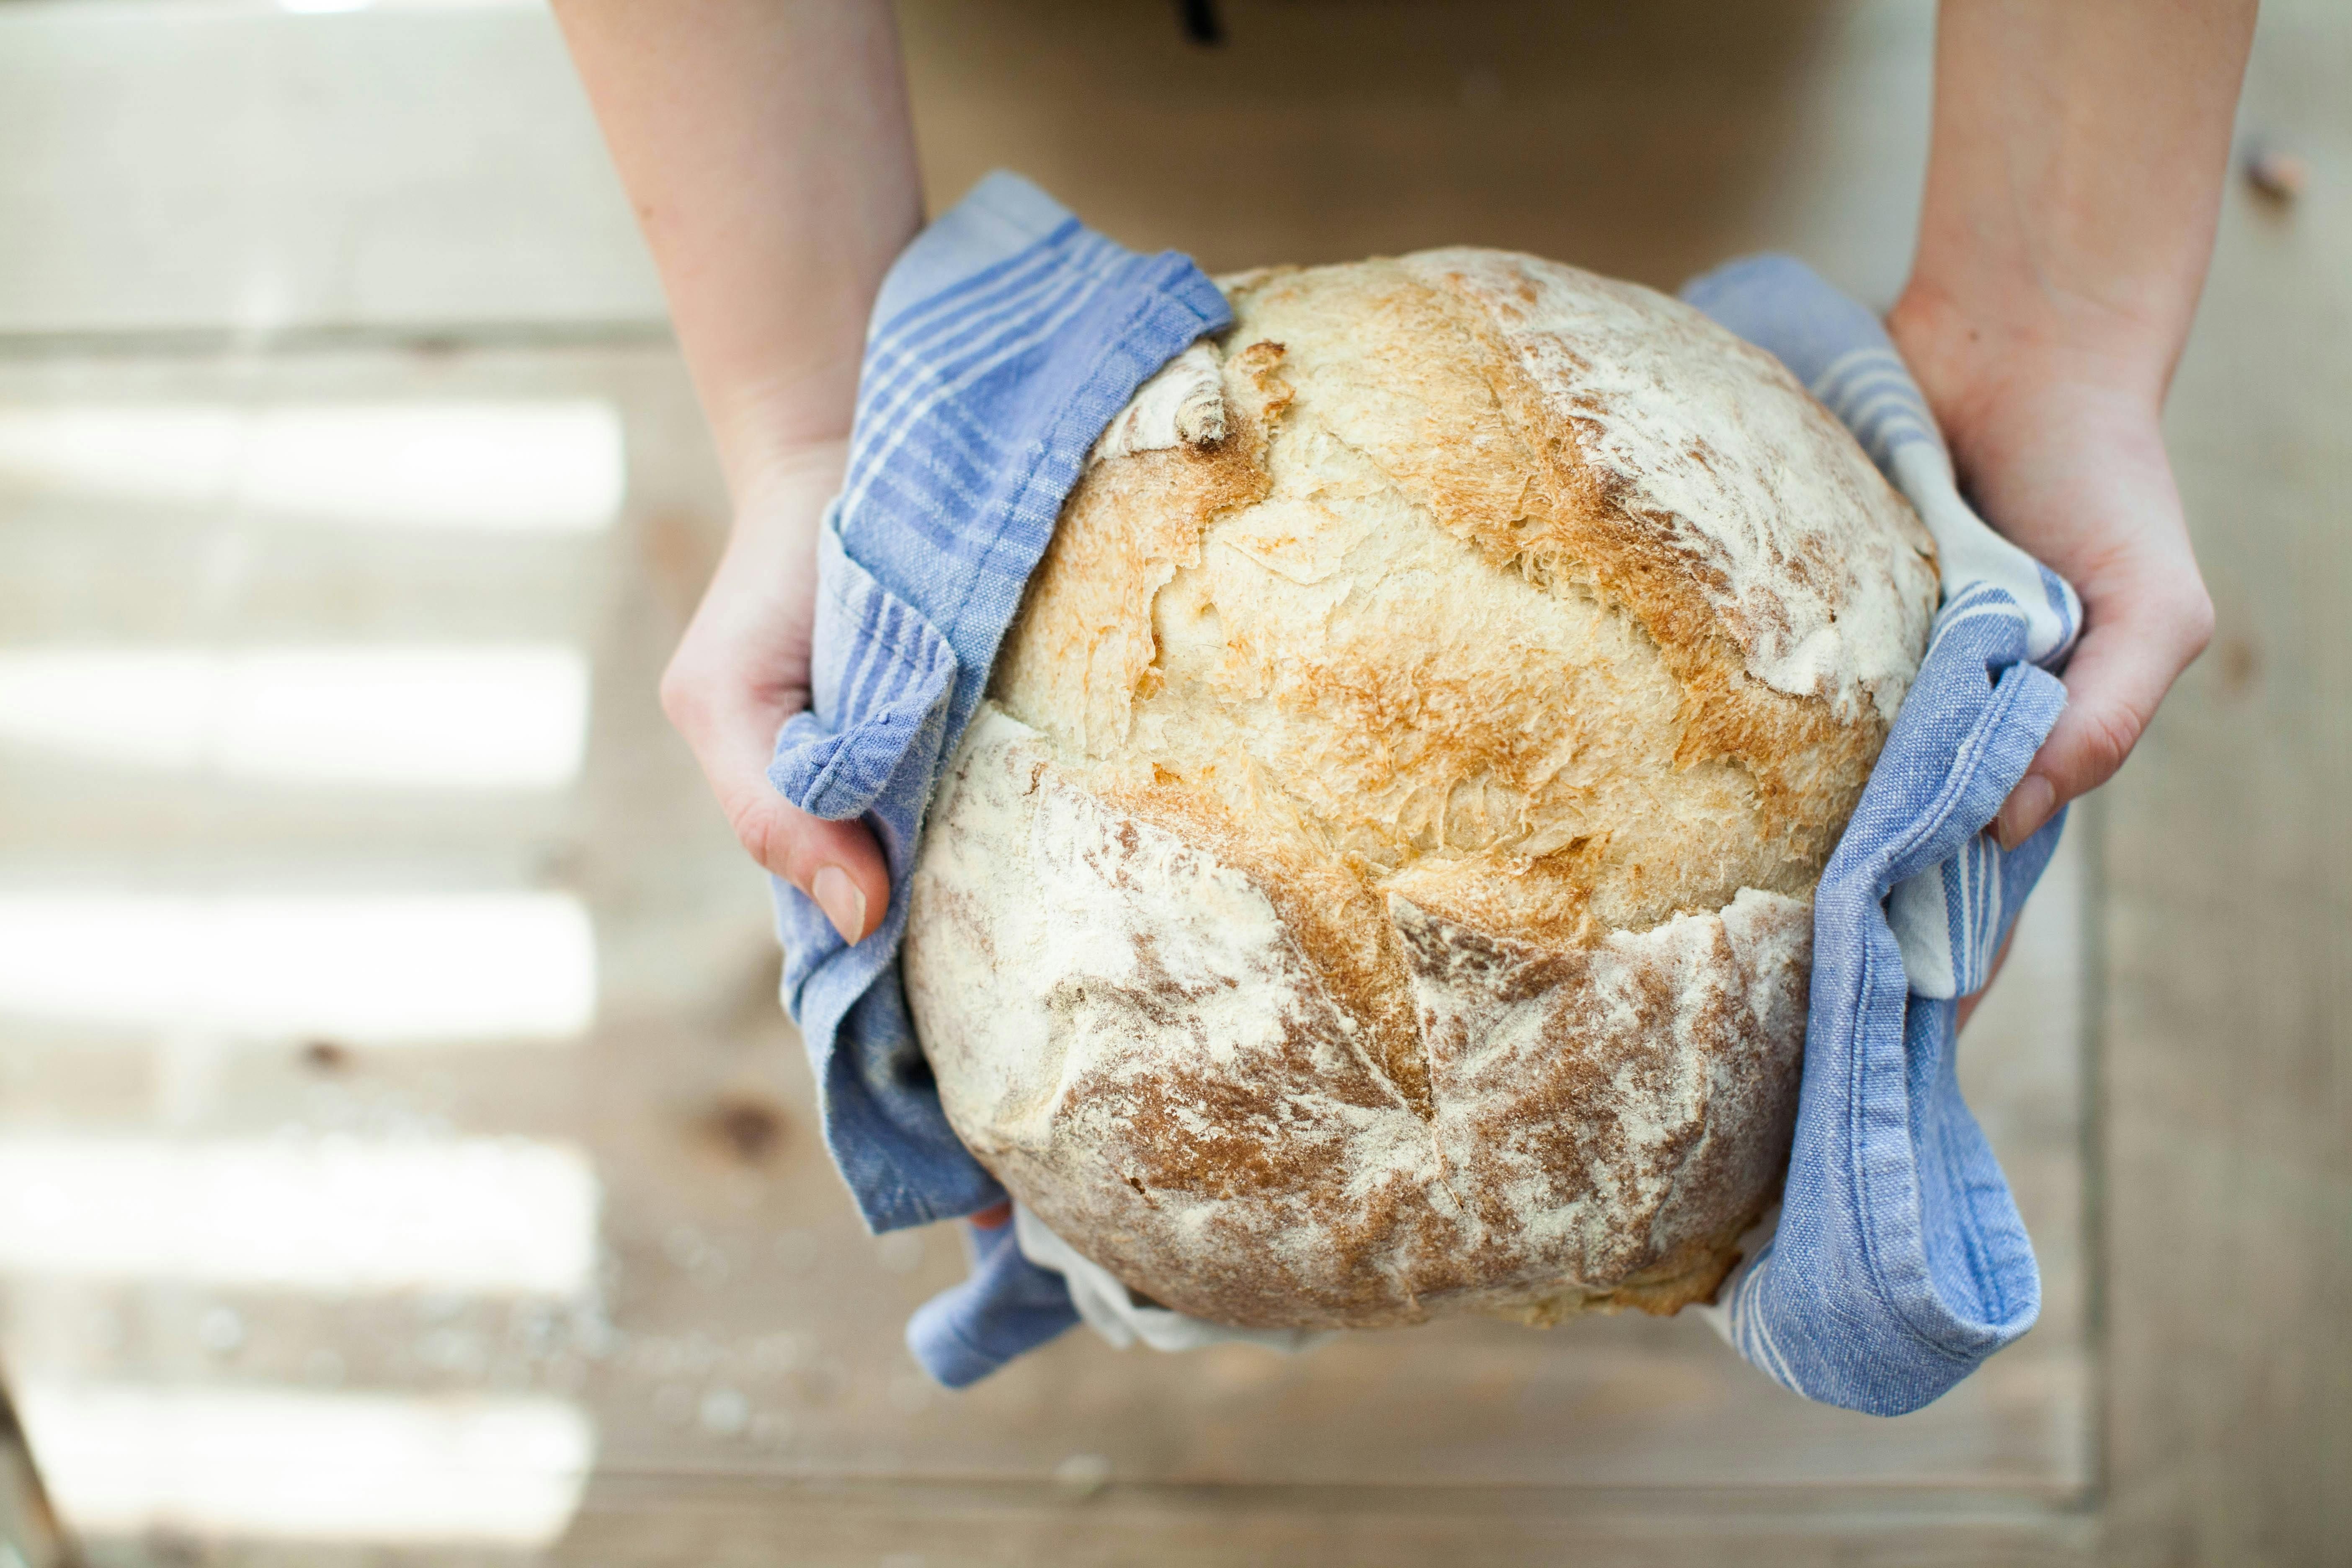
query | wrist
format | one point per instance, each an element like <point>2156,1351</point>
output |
<point>774,471</point>
<point>776,417</point>
<point>1981,359</point>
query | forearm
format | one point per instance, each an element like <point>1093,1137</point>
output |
<point>2073,184</point>
<point>2074,181</point>
<point>765,146</point>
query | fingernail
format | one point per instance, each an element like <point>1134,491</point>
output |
<point>2028,807</point>
<point>842,904</point>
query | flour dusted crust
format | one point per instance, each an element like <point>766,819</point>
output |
<point>1380,882</point>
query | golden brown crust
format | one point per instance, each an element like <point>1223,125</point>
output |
<point>1471,675</point>
<point>1142,1050</point>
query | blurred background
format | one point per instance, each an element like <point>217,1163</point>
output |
<point>402,1157</point>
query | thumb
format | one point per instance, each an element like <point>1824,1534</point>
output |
<point>837,864</point>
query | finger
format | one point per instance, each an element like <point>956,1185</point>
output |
<point>2118,675</point>
<point>837,864</point>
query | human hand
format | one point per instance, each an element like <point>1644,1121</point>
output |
<point>742,669</point>
<point>2074,170</point>
<point>768,152</point>
<point>2060,449</point>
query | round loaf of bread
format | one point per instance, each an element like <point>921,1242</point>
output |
<point>1380,882</point>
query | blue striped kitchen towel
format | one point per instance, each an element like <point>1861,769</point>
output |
<point>1003,341</point>
<point>1899,1263</point>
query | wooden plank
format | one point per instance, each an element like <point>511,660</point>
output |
<point>2228,1052</point>
<point>1647,141</point>
<point>216,169</point>
<point>726,1523</point>
<point>743,1364</point>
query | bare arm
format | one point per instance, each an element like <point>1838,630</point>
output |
<point>766,147</point>
<point>2073,189</point>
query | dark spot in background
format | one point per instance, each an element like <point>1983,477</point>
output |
<point>746,1127</point>
<point>326,1056</point>
<point>1200,21</point>
<point>2277,175</point>
<point>2239,664</point>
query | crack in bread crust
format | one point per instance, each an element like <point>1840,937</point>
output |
<point>1378,883</point>
<point>1604,1122</point>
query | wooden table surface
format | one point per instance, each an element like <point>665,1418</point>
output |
<point>226,207</point>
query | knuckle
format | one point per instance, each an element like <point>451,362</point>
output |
<point>2108,736</point>
<point>777,837</point>
<point>758,831</point>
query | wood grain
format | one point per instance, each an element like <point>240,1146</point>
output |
<point>2227,1029</point>
<point>2188,1397</point>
